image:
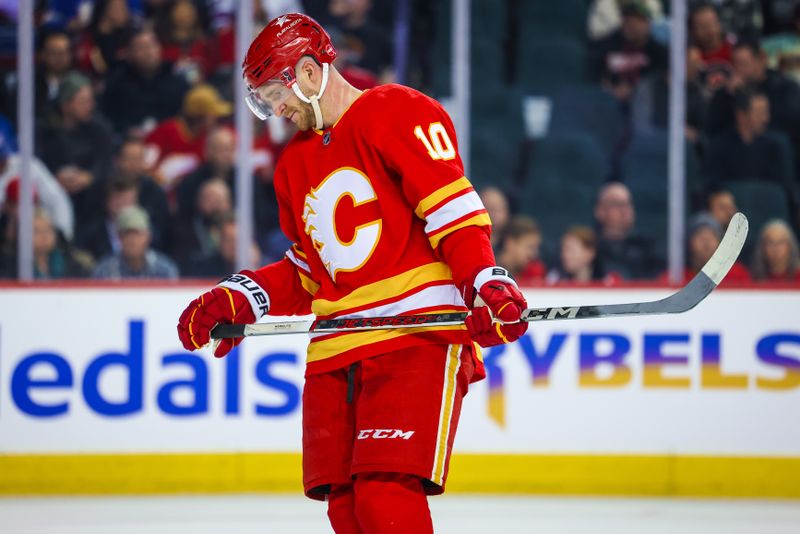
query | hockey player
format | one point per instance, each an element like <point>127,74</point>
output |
<point>372,193</point>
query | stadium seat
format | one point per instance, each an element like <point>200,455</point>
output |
<point>760,201</point>
<point>497,135</point>
<point>557,206</point>
<point>561,183</point>
<point>566,18</point>
<point>489,20</point>
<point>574,157</point>
<point>488,62</point>
<point>551,63</point>
<point>645,172</point>
<point>589,109</point>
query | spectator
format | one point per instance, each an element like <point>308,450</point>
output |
<point>76,144</point>
<point>369,45</point>
<point>722,206</point>
<point>605,16</point>
<point>783,50</point>
<point>74,15</point>
<point>219,162</point>
<point>199,236</point>
<point>223,261</point>
<point>716,51</point>
<point>51,196</point>
<point>519,252</point>
<point>776,258</point>
<point>578,257</point>
<point>703,237</point>
<point>698,94</point>
<point>135,258</point>
<point>266,149</point>
<point>346,57</point>
<point>53,257</point>
<point>650,104</point>
<point>103,45</point>
<point>222,27</point>
<point>143,90</point>
<point>101,236</point>
<point>185,43</point>
<point>750,152</point>
<point>131,165</point>
<point>620,251</point>
<point>496,204</point>
<point>176,146</point>
<point>54,62</point>
<point>742,18</point>
<point>750,69</point>
<point>630,53</point>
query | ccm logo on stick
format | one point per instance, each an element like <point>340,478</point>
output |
<point>384,433</point>
<point>552,313</point>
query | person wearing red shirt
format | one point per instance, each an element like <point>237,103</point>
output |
<point>579,259</point>
<point>194,55</point>
<point>716,51</point>
<point>704,234</point>
<point>176,147</point>
<point>372,194</point>
<point>519,251</point>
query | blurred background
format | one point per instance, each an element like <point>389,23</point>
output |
<point>610,140</point>
<point>563,111</point>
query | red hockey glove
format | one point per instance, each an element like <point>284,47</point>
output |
<point>239,298</point>
<point>495,295</point>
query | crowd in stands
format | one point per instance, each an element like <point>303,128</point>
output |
<point>135,146</point>
<point>742,132</point>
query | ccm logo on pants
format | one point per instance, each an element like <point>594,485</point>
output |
<point>384,433</point>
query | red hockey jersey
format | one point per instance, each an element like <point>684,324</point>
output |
<point>367,204</point>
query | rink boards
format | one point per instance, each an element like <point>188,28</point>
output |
<point>97,395</point>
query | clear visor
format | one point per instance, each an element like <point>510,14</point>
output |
<point>267,100</point>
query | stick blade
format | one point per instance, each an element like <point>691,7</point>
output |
<point>729,248</point>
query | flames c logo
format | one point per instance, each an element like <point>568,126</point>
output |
<point>319,216</point>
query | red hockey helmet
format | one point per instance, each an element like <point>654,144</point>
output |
<point>280,45</point>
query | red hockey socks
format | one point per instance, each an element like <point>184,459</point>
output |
<point>391,503</point>
<point>342,510</point>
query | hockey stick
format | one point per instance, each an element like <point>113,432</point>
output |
<point>685,299</point>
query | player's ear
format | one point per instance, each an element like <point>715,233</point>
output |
<point>307,70</point>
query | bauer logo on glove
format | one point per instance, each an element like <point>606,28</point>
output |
<point>238,298</point>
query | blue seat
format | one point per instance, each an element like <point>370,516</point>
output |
<point>588,109</point>
<point>570,157</point>
<point>760,201</point>
<point>564,175</point>
<point>552,63</point>
<point>554,18</point>
<point>557,206</point>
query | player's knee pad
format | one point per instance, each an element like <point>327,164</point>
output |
<point>391,503</point>
<point>341,510</point>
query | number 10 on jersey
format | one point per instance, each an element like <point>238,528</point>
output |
<point>437,142</point>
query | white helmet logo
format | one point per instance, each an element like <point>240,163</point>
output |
<point>282,20</point>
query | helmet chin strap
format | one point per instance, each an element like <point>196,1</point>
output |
<point>314,100</point>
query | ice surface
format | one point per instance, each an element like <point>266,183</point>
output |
<point>250,514</point>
